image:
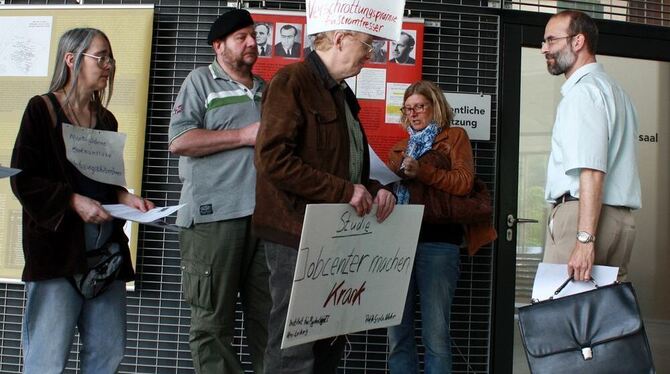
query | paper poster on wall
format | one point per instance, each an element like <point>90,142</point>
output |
<point>371,84</point>
<point>33,33</point>
<point>394,101</point>
<point>352,272</point>
<point>391,62</point>
<point>471,112</point>
<point>24,46</point>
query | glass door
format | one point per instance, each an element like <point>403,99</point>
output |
<point>529,101</point>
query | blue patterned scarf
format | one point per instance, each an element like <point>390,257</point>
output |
<point>418,144</point>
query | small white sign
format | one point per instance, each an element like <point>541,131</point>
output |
<point>97,154</point>
<point>394,101</point>
<point>380,18</point>
<point>352,272</point>
<point>473,113</point>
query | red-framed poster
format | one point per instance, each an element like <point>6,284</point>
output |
<point>394,65</point>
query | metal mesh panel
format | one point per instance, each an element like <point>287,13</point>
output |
<point>652,12</point>
<point>460,54</point>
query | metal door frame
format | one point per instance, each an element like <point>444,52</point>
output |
<point>526,29</point>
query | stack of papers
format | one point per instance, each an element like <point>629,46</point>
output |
<point>550,277</point>
<point>153,217</point>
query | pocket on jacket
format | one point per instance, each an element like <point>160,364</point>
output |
<point>196,281</point>
<point>325,127</point>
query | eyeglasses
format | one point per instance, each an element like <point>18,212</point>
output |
<point>418,108</point>
<point>103,61</point>
<point>369,46</point>
<point>551,40</point>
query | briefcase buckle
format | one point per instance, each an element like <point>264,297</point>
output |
<point>587,353</point>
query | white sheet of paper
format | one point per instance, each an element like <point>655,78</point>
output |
<point>25,44</point>
<point>394,99</point>
<point>371,84</point>
<point>97,154</point>
<point>379,171</point>
<point>352,272</point>
<point>550,277</point>
<point>152,218</point>
<point>8,172</point>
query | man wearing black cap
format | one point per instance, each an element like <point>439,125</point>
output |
<point>213,129</point>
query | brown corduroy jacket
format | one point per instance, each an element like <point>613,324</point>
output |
<point>302,149</point>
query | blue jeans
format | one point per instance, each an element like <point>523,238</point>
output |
<point>435,274</point>
<point>54,308</point>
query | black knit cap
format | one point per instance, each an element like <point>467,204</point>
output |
<point>229,22</point>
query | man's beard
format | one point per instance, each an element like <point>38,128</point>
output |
<point>563,61</point>
<point>241,61</point>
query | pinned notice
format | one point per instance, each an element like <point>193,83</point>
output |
<point>97,154</point>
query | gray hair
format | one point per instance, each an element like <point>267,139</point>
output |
<point>77,41</point>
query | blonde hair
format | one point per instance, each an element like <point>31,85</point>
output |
<point>443,114</point>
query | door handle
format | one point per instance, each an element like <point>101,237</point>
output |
<point>511,221</point>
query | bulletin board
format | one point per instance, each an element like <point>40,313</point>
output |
<point>379,87</point>
<point>28,42</point>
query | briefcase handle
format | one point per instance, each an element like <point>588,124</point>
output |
<point>562,286</point>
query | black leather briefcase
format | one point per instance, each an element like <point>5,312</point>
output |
<point>598,331</point>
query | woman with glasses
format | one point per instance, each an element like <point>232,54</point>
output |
<point>63,217</point>
<point>438,156</point>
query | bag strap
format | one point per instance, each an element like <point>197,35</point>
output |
<point>49,101</point>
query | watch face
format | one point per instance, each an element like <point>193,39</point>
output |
<point>584,237</point>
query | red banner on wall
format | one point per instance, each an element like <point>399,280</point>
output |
<point>394,65</point>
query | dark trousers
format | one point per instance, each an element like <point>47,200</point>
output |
<point>320,357</point>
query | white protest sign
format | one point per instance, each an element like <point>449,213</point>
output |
<point>97,154</point>
<point>352,272</point>
<point>473,113</point>
<point>380,18</point>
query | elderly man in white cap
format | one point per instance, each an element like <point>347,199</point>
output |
<point>310,148</point>
<point>213,129</point>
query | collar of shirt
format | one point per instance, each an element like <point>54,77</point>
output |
<point>218,73</point>
<point>579,74</point>
<point>316,64</point>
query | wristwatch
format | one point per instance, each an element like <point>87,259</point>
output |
<point>585,237</point>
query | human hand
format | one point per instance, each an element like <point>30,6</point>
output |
<point>409,167</point>
<point>90,211</point>
<point>361,200</point>
<point>134,201</point>
<point>581,261</point>
<point>385,201</point>
<point>248,134</point>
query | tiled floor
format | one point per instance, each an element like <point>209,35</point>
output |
<point>658,333</point>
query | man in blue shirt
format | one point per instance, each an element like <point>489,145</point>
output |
<point>592,177</point>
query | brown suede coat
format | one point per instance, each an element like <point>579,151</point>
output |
<point>302,149</point>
